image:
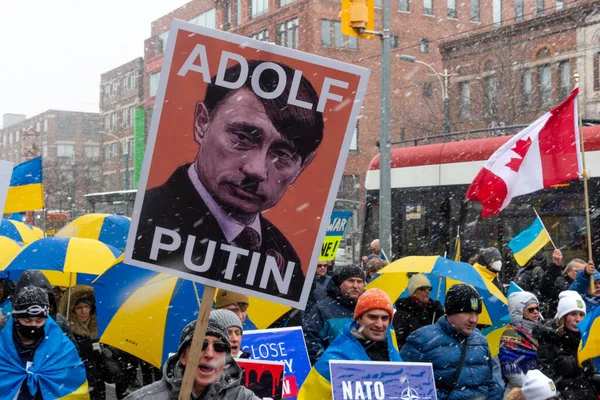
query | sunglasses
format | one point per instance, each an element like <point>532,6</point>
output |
<point>533,309</point>
<point>321,265</point>
<point>219,347</point>
<point>425,288</point>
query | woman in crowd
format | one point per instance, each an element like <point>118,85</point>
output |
<point>82,317</point>
<point>557,351</point>
<point>536,386</point>
<point>518,348</point>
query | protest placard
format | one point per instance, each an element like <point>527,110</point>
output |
<point>245,153</point>
<point>286,345</point>
<point>6,168</point>
<point>264,378</point>
<point>381,380</point>
<point>335,232</point>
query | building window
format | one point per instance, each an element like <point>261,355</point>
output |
<point>395,42</point>
<point>17,137</point>
<point>497,12</point>
<point>560,4</point>
<point>465,100</point>
<point>526,88</point>
<point>153,83</point>
<point>349,188</point>
<point>424,45</point>
<point>161,42</point>
<point>596,72</point>
<point>65,150</point>
<point>283,3</point>
<point>207,19</point>
<point>263,36</point>
<point>331,35</point>
<point>403,5</point>
<point>518,10</point>
<point>539,6</point>
<point>564,71</point>
<point>545,85</point>
<point>238,12</point>
<point>92,151</point>
<point>427,89</point>
<point>131,115</point>
<point>226,15</point>
<point>452,9</point>
<point>491,95</point>
<point>45,125</point>
<point>377,3</point>
<point>288,33</point>
<point>428,7</point>
<point>38,126</point>
<point>475,10</point>
<point>45,151</point>
<point>110,152</point>
<point>258,8</point>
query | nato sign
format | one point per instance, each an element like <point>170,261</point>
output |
<point>352,380</point>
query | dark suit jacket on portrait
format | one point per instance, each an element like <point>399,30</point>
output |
<point>176,205</point>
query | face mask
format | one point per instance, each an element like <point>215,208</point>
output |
<point>496,266</point>
<point>30,332</point>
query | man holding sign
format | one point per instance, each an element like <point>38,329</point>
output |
<point>367,338</point>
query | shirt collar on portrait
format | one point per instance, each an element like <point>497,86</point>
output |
<point>230,227</point>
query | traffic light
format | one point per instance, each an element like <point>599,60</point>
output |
<point>357,14</point>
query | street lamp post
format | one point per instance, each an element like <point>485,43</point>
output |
<point>443,84</point>
<point>125,149</point>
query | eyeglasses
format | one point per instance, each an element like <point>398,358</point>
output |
<point>533,309</point>
<point>321,265</point>
<point>219,347</point>
<point>425,288</point>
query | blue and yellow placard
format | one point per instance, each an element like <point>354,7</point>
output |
<point>335,232</point>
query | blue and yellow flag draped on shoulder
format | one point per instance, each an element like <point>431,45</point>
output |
<point>527,243</point>
<point>57,372</point>
<point>26,190</point>
<point>590,336</point>
<point>317,385</point>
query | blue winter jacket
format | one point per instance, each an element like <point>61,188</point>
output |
<point>581,285</point>
<point>326,320</point>
<point>441,345</point>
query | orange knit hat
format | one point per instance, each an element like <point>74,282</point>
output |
<point>373,299</point>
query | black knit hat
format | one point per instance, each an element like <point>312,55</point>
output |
<point>463,298</point>
<point>31,301</point>
<point>347,272</point>
<point>489,255</point>
<point>214,329</point>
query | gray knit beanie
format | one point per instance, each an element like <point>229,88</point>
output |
<point>214,329</point>
<point>227,319</point>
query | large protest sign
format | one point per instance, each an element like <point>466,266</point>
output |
<point>381,380</point>
<point>6,168</point>
<point>264,378</point>
<point>335,232</point>
<point>286,345</point>
<point>245,153</point>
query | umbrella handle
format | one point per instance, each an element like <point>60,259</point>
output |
<point>69,296</point>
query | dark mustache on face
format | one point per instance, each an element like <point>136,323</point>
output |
<point>250,185</point>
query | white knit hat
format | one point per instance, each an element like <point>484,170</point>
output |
<point>417,281</point>
<point>538,386</point>
<point>568,301</point>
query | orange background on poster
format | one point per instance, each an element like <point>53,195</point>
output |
<point>298,214</point>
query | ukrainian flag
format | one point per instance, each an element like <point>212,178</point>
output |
<point>590,336</point>
<point>527,243</point>
<point>26,191</point>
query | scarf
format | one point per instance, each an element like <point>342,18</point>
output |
<point>56,371</point>
<point>518,350</point>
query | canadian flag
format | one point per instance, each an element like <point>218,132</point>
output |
<point>545,153</point>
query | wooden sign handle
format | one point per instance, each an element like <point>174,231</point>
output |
<point>196,346</point>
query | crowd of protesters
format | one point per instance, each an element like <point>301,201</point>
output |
<point>344,320</point>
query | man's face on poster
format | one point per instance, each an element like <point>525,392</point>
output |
<point>244,162</point>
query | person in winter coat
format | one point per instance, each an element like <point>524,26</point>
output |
<point>529,277</point>
<point>36,278</point>
<point>557,351</point>
<point>367,338</point>
<point>556,279</point>
<point>416,310</point>
<point>581,285</point>
<point>38,360</point>
<point>518,348</point>
<point>212,382</point>
<point>536,386</point>
<point>84,323</point>
<point>373,266</point>
<point>489,265</point>
<point>329,316</point>
<point>443,343</point>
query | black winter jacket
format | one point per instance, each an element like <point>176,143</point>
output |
<point>411,316</point>
<point>557,359</point>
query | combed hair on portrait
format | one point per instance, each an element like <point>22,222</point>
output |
<point>301,126</point>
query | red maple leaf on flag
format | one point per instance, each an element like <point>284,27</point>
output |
<point>521,148</point>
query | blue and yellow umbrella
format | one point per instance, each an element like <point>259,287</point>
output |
<point>143,312</point>
<point>18,231</point>
<point>107,228</point>
<point>8,250</point>
<point>65,261</point>
<point>442,273</point>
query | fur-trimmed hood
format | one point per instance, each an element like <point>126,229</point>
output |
<point>80,328</point>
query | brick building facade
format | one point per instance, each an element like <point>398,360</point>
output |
<point>121,92</point>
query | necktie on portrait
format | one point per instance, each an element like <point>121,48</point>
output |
<point>248,239</point>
